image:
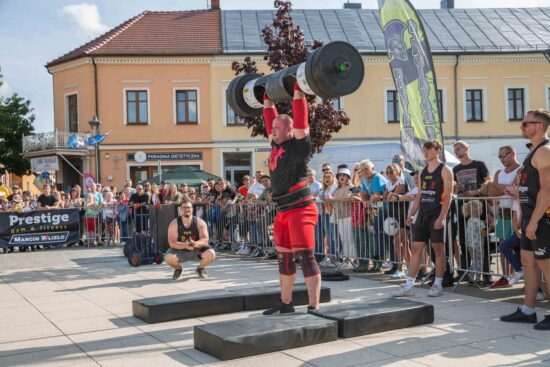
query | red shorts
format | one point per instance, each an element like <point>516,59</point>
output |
<point>90,224</point>
<point>295,228</point>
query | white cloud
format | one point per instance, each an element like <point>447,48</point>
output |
<point>86,17</point>
<point>5,90</point>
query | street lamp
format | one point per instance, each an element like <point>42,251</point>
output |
<point>94,124</point>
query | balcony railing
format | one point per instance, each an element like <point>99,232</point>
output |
<point>51,140</point>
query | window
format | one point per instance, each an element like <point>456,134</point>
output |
<point>186,107</point>
<point>232,118</point>
<point>474,105</point>
<point>136,107</point>
<point>392,103</point>
<point>440,105</point>
<point>72,113</point>
<point>516,104</point>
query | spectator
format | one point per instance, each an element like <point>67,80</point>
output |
<point>343,195</point>
<point>128,183</point>
<point>47,200</point>
<point>469,176</point>
<point>90,215</point>
<point>173,196</point>
<point>243,190</point>
<point>326,167</point>
<point>122,211</point>
<point>399,159</point>
<point>476,231</point>
<point>373,185</point>
<point>504,207</point>
<point>97,195</point>
<point>109,206</point>
<point>140,201</point>
<point>356,177</point>
<point>256,188</point>
<point>156,197</point>
<point>163,191</point>
<point>398,211</point>
<point>328,221</point>
<point>228,190</point>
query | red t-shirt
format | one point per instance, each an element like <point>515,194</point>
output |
<point>243,190</point>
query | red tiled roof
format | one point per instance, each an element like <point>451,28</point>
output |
<point>156,33</point>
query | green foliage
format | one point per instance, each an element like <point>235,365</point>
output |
<point>16,120</point>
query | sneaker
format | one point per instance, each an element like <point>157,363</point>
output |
<point>540,295</point>
<point>391,271</point>
<point>519,316</point>
<point>435,291</point>
<point>201,272</point>
<point>403,292</point>
<point>325,262</point>
<point>387,265</point>
<point>398,275</point>
<point>177,274</point>
<point>544,324</point>
<point>501,283</point>
<point>518,275</point>
<point>280,307</point>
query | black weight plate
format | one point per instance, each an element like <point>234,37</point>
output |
<point>234,96</point>
<point>280,85</point>
<point>322,74</point>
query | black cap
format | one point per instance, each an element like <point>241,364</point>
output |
<point>413,173</point>
<point>163,182</point>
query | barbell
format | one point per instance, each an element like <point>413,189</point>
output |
<point>331,71</point>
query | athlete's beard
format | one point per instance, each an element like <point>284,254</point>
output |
<point>186,215</point>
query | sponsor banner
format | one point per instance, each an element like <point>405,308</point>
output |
<point>45,164</point>
<point>177,156</point>
<point>414,77</point>
<point>46,227</point>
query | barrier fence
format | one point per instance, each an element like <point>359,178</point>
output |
<point>349,234</point>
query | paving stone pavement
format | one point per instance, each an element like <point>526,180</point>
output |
<point>72,307</point>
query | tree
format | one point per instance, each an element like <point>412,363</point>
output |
<point>16,120</point>
<point>286,47</point>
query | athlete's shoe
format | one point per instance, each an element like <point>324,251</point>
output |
<point>403,292</point>
<point>435,291</point>
<point>518,275</point>
<point>544,324</point>
<point>280,307</point>
<point>201,272</point>
<point>177,274</point>
<point>519,316</point>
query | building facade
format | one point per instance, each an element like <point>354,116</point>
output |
<point>157,84</point>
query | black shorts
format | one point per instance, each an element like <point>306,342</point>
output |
<point>540,246</point>
<point>184,255</point>
<point>423,229</point>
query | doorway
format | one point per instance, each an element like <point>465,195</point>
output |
<point>236,165</point>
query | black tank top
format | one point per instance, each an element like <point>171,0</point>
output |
<point>431,190</point>
<point>288,164</point>
<point>188,233</point>
<point>529,186</point>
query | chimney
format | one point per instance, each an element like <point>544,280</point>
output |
<point>447,4</point>
<point>215,4</point>
<point>349,5</point>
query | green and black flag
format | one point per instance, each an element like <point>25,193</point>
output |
<point>414,77</point>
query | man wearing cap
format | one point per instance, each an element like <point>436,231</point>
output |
<point>163,191</point>
<point>294,226</point>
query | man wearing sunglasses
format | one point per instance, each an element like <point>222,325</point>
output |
<point>294,226</point>
<point>534,198</point>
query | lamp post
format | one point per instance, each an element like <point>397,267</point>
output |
<point>94,124</point>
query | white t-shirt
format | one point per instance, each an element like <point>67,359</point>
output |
<point>392,186</point>
<point>256,188</point>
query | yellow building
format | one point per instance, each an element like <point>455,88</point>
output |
<point>157,84</point>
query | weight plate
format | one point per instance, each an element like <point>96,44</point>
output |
<point>280,85</point>
<point>334,70</point>
<point>235,95</point>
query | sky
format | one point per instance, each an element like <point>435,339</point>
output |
<point>34,32</point>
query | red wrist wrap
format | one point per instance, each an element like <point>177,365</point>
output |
<point>269,116</point>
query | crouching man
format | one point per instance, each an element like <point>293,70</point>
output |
<point>188,239</point>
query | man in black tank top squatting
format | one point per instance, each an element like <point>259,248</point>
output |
<point>188,240</point>
<point>534,198</point>
<point>294,226</point>
<point>432,204</point>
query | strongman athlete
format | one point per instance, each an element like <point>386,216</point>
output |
<point>534,198</point>
<point>294,227</point>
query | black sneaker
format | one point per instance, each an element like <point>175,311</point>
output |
<point>201,272</point>
<point>519,316</point>
<point>280,307</point>
<point>544,324</point>
<point>177,274</point>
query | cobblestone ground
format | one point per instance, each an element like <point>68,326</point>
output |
<point>72,307</point>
